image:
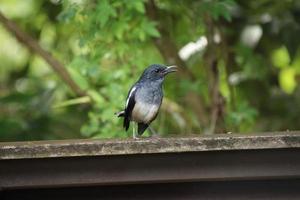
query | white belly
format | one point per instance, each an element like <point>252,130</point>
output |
<point>143,112</point>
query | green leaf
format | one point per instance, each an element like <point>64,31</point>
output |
<point>151,30</point>
<point>280,57</point>
<point>142,35</point>
<point>242,117</point>
<point>226,15</point>
<point>104,12</point>
<point>287,80</point>
<point>67,14</point>
<point>79,79</point>
<point>139,6</point>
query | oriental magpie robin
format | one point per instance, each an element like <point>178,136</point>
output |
<point>144,98</point>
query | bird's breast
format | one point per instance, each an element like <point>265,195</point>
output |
<point>144,112</point>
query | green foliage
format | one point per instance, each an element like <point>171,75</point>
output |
<point>218,8</point>
<point>115,34</point>
<point>287,80</point>
<point>242,118</point>
<point>281,57</point>
<point>106,44</point>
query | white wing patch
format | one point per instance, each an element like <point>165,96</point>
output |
<point>129,96</point>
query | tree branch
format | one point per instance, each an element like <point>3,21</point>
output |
<point>217,107</point>
<point>166,47</point>
<point>169,52</point>
<point>34,46</point>
<point>211,60</point>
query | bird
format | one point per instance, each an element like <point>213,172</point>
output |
<point>144,99</point>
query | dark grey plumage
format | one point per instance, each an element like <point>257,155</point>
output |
<point>145,97</point>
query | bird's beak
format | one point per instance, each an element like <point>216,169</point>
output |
<point>170,69</point>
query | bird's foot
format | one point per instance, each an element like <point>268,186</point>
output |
<point>136,137</point>
<point>153,133</point>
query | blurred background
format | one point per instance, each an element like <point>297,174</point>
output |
<point>66,66</point>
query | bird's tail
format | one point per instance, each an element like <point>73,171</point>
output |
<point>120,114</point>
<point>141,128</point>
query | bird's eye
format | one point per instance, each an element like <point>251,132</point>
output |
<point>157,70</point>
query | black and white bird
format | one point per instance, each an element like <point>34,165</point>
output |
<point>144,98</point>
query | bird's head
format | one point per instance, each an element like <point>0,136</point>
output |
<point>157,72</point>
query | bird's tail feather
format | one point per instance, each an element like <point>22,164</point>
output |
<point>120,114</point>
<point>141,128</point>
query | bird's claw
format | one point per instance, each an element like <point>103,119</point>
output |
<point>136,137</point>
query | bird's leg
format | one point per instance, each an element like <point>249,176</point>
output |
<point>134,128</point>
<point>153,132</point>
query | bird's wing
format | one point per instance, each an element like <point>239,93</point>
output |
<point>130,102</point>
